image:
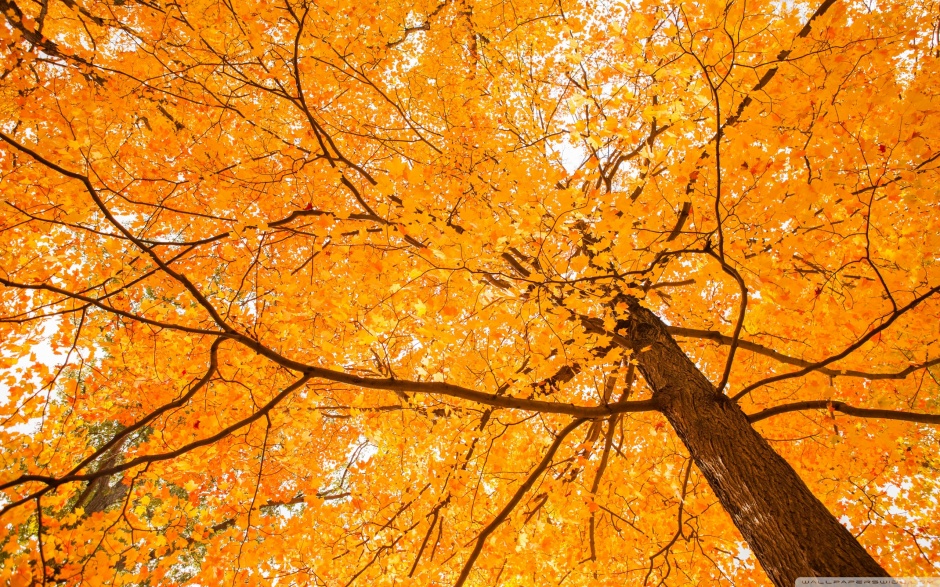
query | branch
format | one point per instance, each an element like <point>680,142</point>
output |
<point>507,509</point>
<point>98,304</point>
<point>582,412</point>
<point>53,482</point>
<point>849,350</point>
<point>759,86</point>
<point>675,537</point>
<point>374,383</point>
<point>608,443</point>
<point>425,26</point>
<point>782,56</point>
<point>213,365</point>
<point>447,389</point>
<point>769,352</point>
<point>490,399</point>
<point>182,279</point>
<point>680,221</point>
<point>742,309</point>
<point>845,409</point>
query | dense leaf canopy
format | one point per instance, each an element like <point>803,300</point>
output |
<point>331,293</point>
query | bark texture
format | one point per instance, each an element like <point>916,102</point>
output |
<point>789,530</point>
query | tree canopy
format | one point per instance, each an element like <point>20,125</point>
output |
<point>482,292</point>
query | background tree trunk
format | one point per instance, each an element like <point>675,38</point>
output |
<point>790,531</point>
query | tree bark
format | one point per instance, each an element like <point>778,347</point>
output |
<point>789,530</point>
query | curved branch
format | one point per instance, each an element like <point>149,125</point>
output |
<point>845,409</point>
<point>507,509</point>
<point>742,309</point>
<point>760,349</point>
<point>213,365</point>
<point>53,482</point>
<point>848,350</point>
<point>96,197</point>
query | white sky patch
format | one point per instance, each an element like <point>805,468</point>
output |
<point>39,353</point>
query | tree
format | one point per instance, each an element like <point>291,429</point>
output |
<point>463,292</point>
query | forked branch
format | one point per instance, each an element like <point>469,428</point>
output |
<point>507,509</point>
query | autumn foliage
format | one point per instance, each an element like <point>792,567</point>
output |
<point>383,293</point>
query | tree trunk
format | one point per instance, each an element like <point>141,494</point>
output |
<point>789,530</point>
